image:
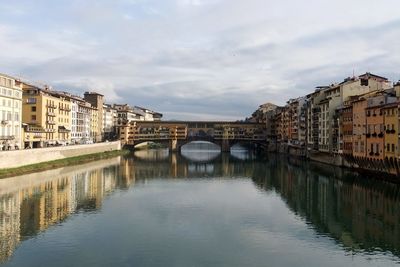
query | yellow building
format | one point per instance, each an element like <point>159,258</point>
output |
<point>391,122</point>
<point>46,113</point>
<point>10,113</point>
<point>94,124</point>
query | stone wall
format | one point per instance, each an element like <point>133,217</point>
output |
<point>18,158</point>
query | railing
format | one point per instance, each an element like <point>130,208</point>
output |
<point>7,137</point>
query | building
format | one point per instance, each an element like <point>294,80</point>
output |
<point>45,113</point>
<point>313,116</point>
<point>109,122</point>
<point>391,127</point>
<point>359,126</point>
<point>375,123</point>
<point>10,113</point>
<point>324,107</point>
<point>94,117</point>
<point>97,102</point>
<point>346,127</point>
<point>149,115</point>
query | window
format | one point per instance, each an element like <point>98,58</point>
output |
<point>392,147</point>
<point>364,82</point>
<point>31,100</point>
<point>33,109</point>
<point>33,118</point>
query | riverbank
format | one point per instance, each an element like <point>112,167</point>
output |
<point>43,166</point>
<point>379,169</point>
<point>19,158</point>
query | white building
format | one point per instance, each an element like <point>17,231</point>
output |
<point>109,121</point>
<point>10,113</point>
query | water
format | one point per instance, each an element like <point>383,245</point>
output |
<point>198,208</point>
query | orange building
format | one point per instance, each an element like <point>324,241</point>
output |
<point>375,132</point>
<point>375,123</point>
<point>359,127</point>
<point>391,119</point>
<point>346,130</point>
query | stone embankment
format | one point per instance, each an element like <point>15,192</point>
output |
<point>389,169</point>
<point>18,158</point>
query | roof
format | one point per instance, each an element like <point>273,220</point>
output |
<point>368,75</point>
<point>93,93</point>
<point>8,76</point>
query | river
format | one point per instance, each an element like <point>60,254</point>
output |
<point>198,208</point>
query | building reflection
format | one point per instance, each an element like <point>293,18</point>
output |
<point>358,213</point>
<point>32,203</point>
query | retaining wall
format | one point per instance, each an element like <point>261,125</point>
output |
<point>18,158</point>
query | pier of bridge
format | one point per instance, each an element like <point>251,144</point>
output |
<point>178,133</point>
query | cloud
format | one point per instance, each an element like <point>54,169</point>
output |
<point>198,57</point>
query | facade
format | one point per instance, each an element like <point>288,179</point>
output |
<point>109,121</point>
<point>149,115</point>
<point>376,123</point>
<point>391,127</point>
<point>81,121</point>
<point>359,127</point>
<point>45,112</point>
<point>97,102</point>
<point>346,128</point>
<point>10,113</point>
<point>94,117</point>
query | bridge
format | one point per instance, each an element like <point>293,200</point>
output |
<point>178,133</point>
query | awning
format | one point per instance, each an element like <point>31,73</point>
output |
<point>62,129</point>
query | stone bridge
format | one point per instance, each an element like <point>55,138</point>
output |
<point>178,133</point>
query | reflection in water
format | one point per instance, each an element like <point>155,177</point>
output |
<point>362,216</point>
<point>200,156</point>
<point>30,204</point>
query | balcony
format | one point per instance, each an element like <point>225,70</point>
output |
<point>380,135</point>
<point>374,135</point>
<point>5,122</point>
<point>51,114</point>
<point>51,106</point>
<point>7,137</point>
<point>51,122</point>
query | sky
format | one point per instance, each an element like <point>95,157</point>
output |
<point>198,59</point>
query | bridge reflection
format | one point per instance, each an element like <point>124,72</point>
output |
<point>358,214</point>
